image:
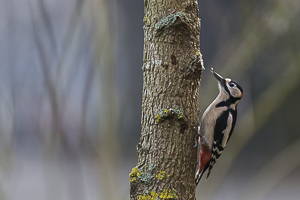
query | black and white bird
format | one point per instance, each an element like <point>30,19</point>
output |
<point>217,124</point>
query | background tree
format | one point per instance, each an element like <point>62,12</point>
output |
<point>172,66</point>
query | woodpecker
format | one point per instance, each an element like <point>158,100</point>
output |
<point>217,124</point>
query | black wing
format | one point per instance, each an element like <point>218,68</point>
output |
<point>220,127</point>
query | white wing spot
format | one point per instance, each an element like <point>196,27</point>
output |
<point>227,130</point>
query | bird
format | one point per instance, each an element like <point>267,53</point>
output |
<point>217,124</point>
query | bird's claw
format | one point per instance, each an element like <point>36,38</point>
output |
<point>197,135</point>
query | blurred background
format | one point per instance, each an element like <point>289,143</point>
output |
<point>71,90</point>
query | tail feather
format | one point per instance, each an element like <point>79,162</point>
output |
<point>198,177</point>
<point>204,162</point>
<point>208,172</point>
<point>217,150</point>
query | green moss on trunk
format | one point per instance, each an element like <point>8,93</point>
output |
<point>172,66</point>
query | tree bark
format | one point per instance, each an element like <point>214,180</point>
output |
<point>172,67</point>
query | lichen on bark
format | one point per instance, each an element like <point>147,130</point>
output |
<point>172,67</point>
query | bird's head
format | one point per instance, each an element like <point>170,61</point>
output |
<point>229,86</point>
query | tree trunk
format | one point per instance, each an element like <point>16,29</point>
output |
<point>172,67</point>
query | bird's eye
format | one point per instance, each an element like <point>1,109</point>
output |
<point>231,84</point>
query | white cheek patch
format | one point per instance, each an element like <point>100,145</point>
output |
<point>236,93</point>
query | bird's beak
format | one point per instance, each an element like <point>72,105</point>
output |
<point>220,79</point>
